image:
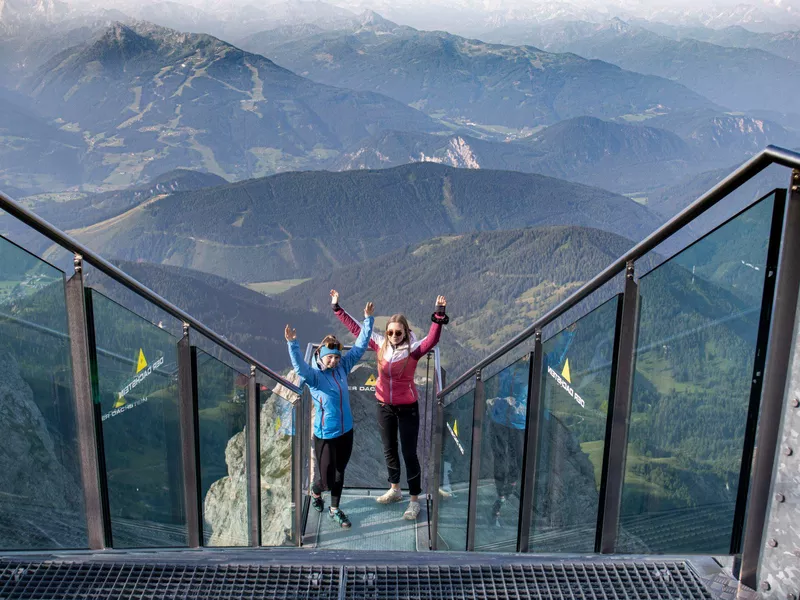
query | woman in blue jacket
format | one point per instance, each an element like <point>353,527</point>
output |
<point>333,420</point>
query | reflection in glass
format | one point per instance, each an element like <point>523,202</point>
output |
<point>222,412</point>
<point>699,317</point>
<point>277,436</point>
<point>135,375</point>
<point>40,483</point>
<point>455,465</point>
<point>576,391</point>
<point>502,449</point>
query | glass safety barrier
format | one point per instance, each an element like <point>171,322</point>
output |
<point>222,414</point>
<point>577,375</point>
<point>40,479</point>
<point>135,380</point>
<point>698,338</point>
<point>276,450</point>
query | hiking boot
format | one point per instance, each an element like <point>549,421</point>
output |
<point>412,512</point>
<point>392,495</point>
<point>318,503</point>
<point>341,518</point>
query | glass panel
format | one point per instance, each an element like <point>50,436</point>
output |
<point>501,458</point>
<point>277,443</point>
<point>222,412</point>
<point>455,465</point>
<point>576,391</point>
<point>39,459</point>
<point>136,387</point>
<point>699,318</point>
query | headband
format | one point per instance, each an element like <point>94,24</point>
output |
<point>324,351</point>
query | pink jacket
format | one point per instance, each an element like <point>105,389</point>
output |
<point>396,368</point>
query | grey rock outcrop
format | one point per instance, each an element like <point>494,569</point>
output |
<point>225,504</point>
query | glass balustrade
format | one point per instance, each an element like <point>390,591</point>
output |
<point>277,431</point>
<point>456,451</point>
<point>502,449</point>
<point>577,373</point>
<point>222,413</point>
<point>41,497</point>
<point>135,381</point>
<point>698,333</point>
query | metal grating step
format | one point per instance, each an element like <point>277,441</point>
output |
<point>557,581</point>
<point>101,581</point>
<point>576,581</point>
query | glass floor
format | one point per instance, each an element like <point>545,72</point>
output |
<point>375,526</point>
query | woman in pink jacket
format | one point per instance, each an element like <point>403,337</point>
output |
<point>398,352</point>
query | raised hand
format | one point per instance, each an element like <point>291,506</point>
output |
<point>440,301</point>
<point>290,334</point>
<point>334,297</point>
<point>369,309</point>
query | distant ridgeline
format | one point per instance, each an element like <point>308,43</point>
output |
<point>297,225</point>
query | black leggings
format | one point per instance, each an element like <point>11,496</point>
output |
<point>332,458</point>
<point>404,417</point>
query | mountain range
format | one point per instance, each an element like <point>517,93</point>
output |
<point>469,82</point>
<point>785,44</point>
<point>736,78</point>
<point>296,225</point>
<point>161,99</point>
<point>618,157</point>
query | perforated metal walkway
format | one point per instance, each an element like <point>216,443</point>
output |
<point>55,580</point>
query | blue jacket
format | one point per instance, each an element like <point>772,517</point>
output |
<point>509,407</point>
<point>332,415</point>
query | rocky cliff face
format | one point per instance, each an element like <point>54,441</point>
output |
<point>41,498</point>
<point>225,504</point>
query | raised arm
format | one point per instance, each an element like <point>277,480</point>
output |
<point>350,359</point>
<point>299,365</point>
<point>438,319</point>
<point>352,325</point>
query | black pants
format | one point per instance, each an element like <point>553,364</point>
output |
<point>405,418</point>
<point>507,448</point>
<point>332,458</point>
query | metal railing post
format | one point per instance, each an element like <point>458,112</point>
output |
<point>307,475</point>
<point>87,413</point>
<point>479,407</point>
<point>615,454</point>
<point>297,468</point>
<point>190,439</point>
<point>531,451</point>
<point>756,386</point>
<point>253,462</point>
<point>436,455</point>
<point>776,373</point>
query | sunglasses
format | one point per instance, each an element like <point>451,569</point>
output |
<point>333,345</point>
<point>395,333</point>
